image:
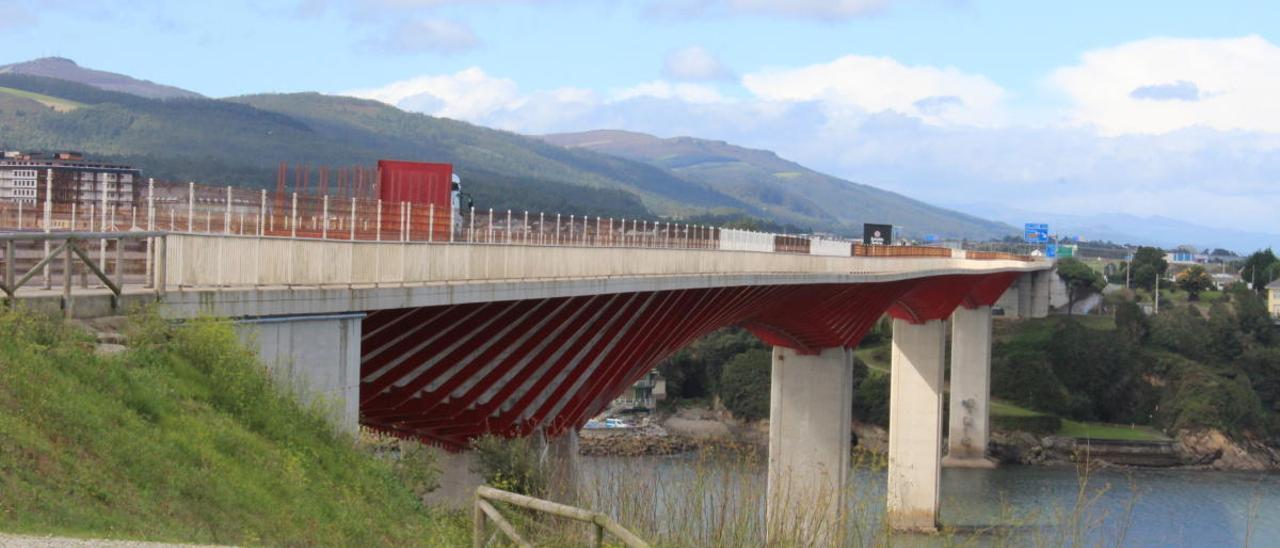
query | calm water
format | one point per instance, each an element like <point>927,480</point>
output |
<point>1149,507</point>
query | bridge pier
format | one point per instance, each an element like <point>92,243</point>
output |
<point>969,421</point>
<point>318,356</point>
<point>1041,291</point>
<point>810,412</point>
<point>915,424</point>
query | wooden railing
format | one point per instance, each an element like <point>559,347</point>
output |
<point>70,246</point>
<point>484,510</point>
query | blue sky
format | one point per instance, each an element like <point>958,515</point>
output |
<point>1147,108</point>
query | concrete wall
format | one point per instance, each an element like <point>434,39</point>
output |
<point>208,261</point>
<point>318,356</point>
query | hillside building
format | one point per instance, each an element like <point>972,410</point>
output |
<point>1273,298</point>
<point>24,177</point>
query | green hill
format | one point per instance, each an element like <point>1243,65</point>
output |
<point>790,192</point>
<point>183,438</point>
<point>241,140</point>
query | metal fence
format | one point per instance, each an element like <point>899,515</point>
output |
<point>200,209</point>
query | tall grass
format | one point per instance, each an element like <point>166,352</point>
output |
<point>718,498</point>
<point>183,437</point>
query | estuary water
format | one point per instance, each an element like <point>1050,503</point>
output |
<point>1013,505</point>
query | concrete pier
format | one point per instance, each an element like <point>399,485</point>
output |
<point>915,424</point>
<point>1041,292</point>
<point>969,417</point>
<point>810,413</point>
<point>318,356</point>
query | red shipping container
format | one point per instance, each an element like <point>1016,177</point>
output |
<point>416,182</point>
<point>427,187</point>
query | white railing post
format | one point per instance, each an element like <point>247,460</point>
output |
<point>191,207</point>
<point>324,227</point>
<point>526,227</point>
<point>353,218</point>
<point>431,221</point>
<point>572,240</point>
<point>611,241</point>
<point>557,229</point>
<point>262,212</point>
<point>226,215</point>
<point>471,230</point>
<point>489,239</point>
<point>20,214</point>
<point>293,224</point>
<point>408,221</point>
<point>542,240</point>
<point>622,238</point>
<point>508,226</point>
<point>377,229</point>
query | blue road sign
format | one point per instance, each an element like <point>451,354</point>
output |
<point>1036,233</point>
<point>1051,251</point>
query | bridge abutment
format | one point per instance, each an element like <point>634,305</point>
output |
<point>969,416</point>
<point>915,424</point>
<point>317,356</point>
<point>810,412</point>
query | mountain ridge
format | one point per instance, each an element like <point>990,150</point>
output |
<point>241,140</point>
<point>766,180</point>
<point>62,68</point>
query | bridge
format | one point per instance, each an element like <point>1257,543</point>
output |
<point>526,327</point>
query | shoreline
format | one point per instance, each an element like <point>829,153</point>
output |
<point>696,429</point>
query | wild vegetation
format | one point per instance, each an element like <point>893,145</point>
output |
<point>1190,366</point>
<point>184,437</point>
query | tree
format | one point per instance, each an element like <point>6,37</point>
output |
<point>1148,264</point>
<point>1081,280</point>
<point>1259,269</point>
<point>1194,281</point>
<point>1225,343</point>
<point>1132,322</point>
<point>745,384</point>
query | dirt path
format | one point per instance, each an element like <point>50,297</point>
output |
<point>24,541</point>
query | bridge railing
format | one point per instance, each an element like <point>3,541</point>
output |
<point>198,209</point>
<point>485,511</point>
<point>70,260</point>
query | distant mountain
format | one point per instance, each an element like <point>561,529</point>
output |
<point>1123,228</point>
<point>241,140</point>
<point>66,69</point>
<point>787,191</point>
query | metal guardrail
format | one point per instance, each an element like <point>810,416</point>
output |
<point>72,245</point>
<point>485,511</point>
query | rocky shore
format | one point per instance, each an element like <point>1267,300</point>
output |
<point>695,428</point>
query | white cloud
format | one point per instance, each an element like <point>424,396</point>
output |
<point>658,89</point>
<point>694,63</point>
<point>1163,84</point>
<point>875,84</point>
<point>936,134</point>
<point>470,94</point>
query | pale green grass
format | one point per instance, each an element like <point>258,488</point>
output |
<point>60,105</point>
<point>1103,431</point>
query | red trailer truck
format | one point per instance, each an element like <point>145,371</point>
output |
<point>434,191</point>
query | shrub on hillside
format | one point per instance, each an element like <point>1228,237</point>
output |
<point>745,384</point>
<point>510,464</point>
<point>1201,397</point>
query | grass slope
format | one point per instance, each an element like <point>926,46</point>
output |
<point>183,438</point>
<point>60,105</point>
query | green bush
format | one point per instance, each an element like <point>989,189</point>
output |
<point>1040,425</point>
<point>510,464</point>
<point>871,400</point>
<point>745,384</point>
